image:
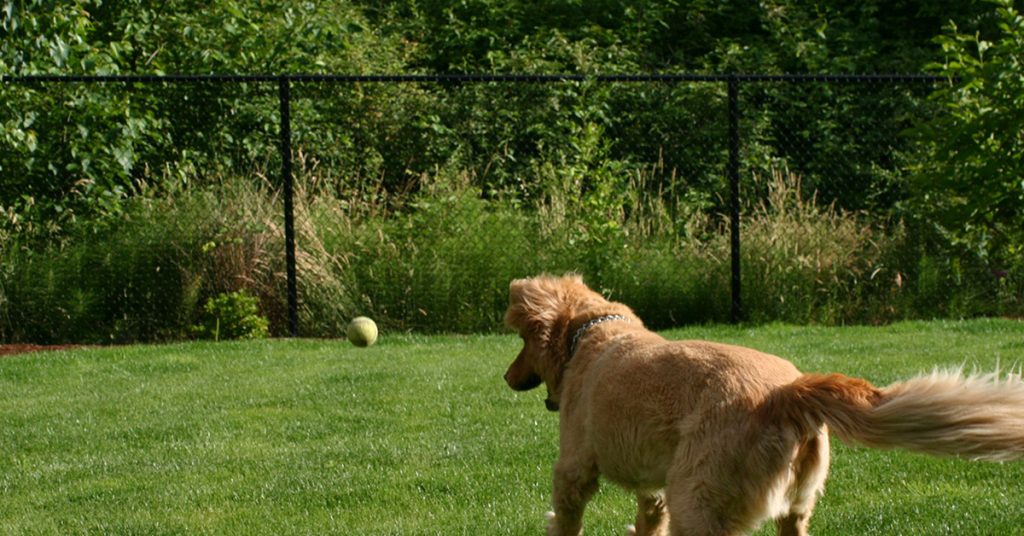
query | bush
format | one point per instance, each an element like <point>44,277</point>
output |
<point>233,315</point>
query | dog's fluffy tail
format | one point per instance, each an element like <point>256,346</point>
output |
<point>945,413</point>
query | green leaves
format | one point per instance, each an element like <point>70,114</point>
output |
<point>381,140</point>
<point>232,315</point>
<point>969,180</point>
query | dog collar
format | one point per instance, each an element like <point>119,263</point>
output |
<point>589,324</point>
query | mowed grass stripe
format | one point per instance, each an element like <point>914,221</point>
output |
<point>416,435</point>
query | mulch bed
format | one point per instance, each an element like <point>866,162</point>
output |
<point>14,349</point>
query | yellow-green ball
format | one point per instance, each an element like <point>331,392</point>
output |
<point>362,331</point>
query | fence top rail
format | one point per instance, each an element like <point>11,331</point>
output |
<point>455,78</point>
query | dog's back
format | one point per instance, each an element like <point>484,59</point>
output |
<point>640,396</point>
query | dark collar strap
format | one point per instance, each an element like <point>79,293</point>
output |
<point>583,329</point>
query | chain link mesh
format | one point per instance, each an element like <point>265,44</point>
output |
<point>417,200</point>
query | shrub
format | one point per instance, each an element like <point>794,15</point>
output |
<point>234,315</point>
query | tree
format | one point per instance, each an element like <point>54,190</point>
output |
<point>971,179</point>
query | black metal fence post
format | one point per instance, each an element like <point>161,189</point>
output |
<point>736,314</point>
<point>284,94</point>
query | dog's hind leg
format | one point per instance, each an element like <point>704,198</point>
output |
<point>651,518</point>
<point>811,467</point>
<point>575,484</point>
<point>715,489</point>
<point>705,506</point>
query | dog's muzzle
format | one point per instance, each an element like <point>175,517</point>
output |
<point>550,404</point>
<point>522,384</point>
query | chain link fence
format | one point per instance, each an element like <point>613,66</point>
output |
<point>415,199</point>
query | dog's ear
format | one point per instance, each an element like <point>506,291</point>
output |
<point>535,304</point>
<point>520,304</point>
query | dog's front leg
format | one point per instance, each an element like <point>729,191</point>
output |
<point>651,519</point>
<point>575,484</point>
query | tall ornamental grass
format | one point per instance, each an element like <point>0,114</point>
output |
<point>440,259</point>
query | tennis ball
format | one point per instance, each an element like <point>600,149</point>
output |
<point>362,331</point>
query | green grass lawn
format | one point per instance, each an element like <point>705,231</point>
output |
<point>417,435</point>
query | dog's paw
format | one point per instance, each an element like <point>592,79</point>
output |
<point>552,528</point>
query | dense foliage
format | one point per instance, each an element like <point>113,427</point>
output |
<point>625,180</point>
<point>971,180</point>
<point>84,148</point>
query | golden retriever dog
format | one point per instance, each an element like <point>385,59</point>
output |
<point>717,439</point>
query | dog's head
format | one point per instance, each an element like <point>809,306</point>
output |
<point>543,310</point>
